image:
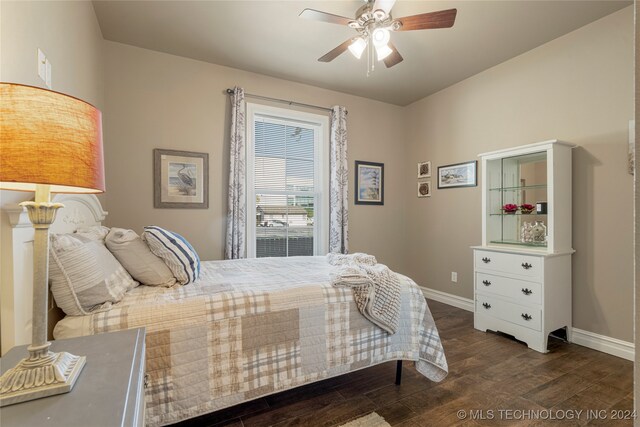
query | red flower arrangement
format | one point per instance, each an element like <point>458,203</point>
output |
<point>510,208</point>
<point>526,208</point>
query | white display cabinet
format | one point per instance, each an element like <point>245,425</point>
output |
<point>523,267</point>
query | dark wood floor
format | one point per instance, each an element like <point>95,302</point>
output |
<point>486,372</point>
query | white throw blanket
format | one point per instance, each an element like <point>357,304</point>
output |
<point>376,289</point>
<point>356,258</point>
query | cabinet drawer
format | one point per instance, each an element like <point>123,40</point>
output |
<point>514,313</point>
<point>522,265</point>
<point>521,291</point>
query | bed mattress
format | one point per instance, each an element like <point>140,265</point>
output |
<point>249,328</point>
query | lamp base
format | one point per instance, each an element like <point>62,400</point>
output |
<point>47,375</point>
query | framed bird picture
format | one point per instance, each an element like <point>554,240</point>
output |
<point>180,179</point>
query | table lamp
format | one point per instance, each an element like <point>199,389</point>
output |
<point>49,142</point>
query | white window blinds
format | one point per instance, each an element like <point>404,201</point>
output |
<point>287,186</point>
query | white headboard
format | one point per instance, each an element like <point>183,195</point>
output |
<point>16,287</point>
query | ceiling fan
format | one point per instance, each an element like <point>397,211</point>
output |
<point>374,24</point>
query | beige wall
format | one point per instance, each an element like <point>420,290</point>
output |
<point>156,100</point>
<point>68,33</point>
<point>577,88</point>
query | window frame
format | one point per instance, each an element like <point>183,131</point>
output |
<point>320,124</point>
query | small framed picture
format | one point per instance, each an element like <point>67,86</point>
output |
<point>424,189</point>
<point>424,170</point>
<point>369,183</point>
<point>180,179</point>
<point>458,175</point>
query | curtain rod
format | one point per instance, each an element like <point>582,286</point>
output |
<point>283,101</point>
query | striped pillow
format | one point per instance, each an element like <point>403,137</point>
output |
<point>175,251</point>
<point>95,232</point>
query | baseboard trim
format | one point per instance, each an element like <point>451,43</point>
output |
<point>449,299</point>
<point>603,343</point>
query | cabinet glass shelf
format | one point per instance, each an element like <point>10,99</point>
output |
<point>517,214</point>
<point>521,187</point>
<point>519,243</point>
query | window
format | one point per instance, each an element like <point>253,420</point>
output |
<point>287,182</point>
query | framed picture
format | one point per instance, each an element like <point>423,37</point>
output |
<point>424,189</point>
<point>369,183</point>
<point>424,170</point>
<point>458,175</point>
<point>180,179</point>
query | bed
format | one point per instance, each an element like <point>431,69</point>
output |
<point>249,328</point>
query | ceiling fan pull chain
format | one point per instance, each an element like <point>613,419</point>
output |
<point>371,60</point>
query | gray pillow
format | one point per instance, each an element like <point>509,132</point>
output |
<point>136,257</point>
<point>84,276</point>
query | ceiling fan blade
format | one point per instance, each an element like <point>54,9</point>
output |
<point>425,21</point>
<point>316,15</point>
<point>333,54</point>
<point>393,58</point>
<point>385,5</point>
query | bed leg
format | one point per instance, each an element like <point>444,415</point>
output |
<point>398,372</point>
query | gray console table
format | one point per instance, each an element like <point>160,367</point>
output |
<point>109,391</point>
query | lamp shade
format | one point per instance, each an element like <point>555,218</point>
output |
<point>49,138</point>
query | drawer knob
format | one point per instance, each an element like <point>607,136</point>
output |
<point>526,317</point>
<point>486,260</point>
<point>146,380</point>
<point>526,265</point>
<point>486,305</point>
<point>486,282</point>
<point>527,291</point>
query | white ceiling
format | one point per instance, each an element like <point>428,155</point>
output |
<point>267,37</point>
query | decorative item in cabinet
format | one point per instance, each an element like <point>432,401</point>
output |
<point>541,208</point>
<point>526,208</point>
<point>510,208</point>
<point>526,236</point>
<point>539,232</point>
<point>523,267</point>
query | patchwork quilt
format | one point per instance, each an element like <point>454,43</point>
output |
<point>249,328</point>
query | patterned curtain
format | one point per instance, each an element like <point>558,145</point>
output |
<point>338,201</point>
<point>236,215</point>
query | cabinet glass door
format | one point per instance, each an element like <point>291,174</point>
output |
<point>517,200</point>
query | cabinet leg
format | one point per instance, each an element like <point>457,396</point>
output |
<point>398,372</point>
<point>539,345</point>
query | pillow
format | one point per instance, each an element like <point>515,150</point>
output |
<point>94,232</point>
<point>136,257</point>
<point>84,276</point>
<point>176,252</point>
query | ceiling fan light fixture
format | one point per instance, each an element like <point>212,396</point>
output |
<point>379,14</point>
<point>383,51</point>
<point>380,37</point>
<point>374,22</point>
<point>357,47</point>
